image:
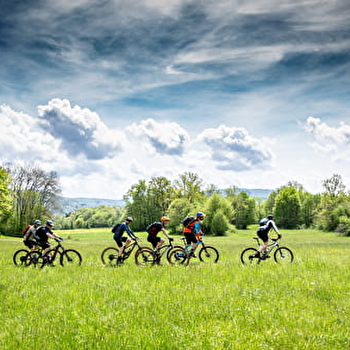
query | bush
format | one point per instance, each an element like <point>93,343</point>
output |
<point>219,225</point>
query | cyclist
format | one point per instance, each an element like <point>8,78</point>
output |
<point>266,225</point>
<point>42,235</point>
<point>29,235</point>
<point>193,232</point>
<point>119,238</point>
<point>153,230</point>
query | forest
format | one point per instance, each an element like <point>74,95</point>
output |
<point>29,193</point>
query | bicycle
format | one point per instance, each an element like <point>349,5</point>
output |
<point>280,255</point>
<point>182,255</point>
<point>144,256</point>
<point>65,257</point>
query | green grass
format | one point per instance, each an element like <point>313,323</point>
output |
<point>222,306</point>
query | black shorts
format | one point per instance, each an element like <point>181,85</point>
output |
<point>263,234</point>
<point>119,240</point>
<point>30,243</point>
<point>190,237</point>
<point>44,244</point>
<point>154,240</point>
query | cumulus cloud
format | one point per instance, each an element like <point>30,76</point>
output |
<point>79,130</point>
<point>164,138</point>
<point>234,149</point>
<point>22,137</point>
<point>327,138</point>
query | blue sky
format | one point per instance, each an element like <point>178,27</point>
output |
<point>246,93</point>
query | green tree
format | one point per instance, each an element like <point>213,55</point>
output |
<point>219,224</point>
<point>5,197</point>
<point>287,208</point>
<point>189,186</point>
<point>244,211</point>
<point>216,203</point>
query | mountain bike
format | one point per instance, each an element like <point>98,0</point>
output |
<point>65,257</point>
<point>144,256</point>
<point>182,255</point>
<point>280,254</point>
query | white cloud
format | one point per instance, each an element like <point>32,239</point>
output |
<point>79,130</point>
<point>164,138</point>
<point>234,149</point>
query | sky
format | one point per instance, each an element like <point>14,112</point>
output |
<point>252,94</point>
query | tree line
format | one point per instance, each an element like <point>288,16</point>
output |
<point>29,193</point>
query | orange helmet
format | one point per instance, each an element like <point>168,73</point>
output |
<point>164,218</point>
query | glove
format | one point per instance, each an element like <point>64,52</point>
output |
<point>171,239</point>
<point>279,236</point>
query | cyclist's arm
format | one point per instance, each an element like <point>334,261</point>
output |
<point>166,234</point>
<point>129,232</point>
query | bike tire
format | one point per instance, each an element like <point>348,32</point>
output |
<point>248,257</point>
<point>70,258</point>
<point>208,254</point>
<point>109,256</point>
<point>35,259</point>
<point>19,257</point>
<point>145,257</point>
<point>283,255</point>
<point>178,256</point>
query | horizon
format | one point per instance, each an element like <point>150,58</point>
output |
<point>251,94</point>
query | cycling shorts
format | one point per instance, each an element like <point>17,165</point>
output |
<point>120,239</point>
<point>30,243</point>
<point>263,234</point>
<point>154,240</point>
<point>44,244</point>
<point>190,237</point>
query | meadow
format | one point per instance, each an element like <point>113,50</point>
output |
<point>304,305</point>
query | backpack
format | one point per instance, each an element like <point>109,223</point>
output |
<point>158,225</point>
<point>26,230</point>
<point>187,220</point>
<point>115,228</point>
<point>263,222</point>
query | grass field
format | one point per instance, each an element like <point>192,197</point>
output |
<point>304,305</point>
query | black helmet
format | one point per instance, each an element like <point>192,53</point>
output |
<point>270,217</point>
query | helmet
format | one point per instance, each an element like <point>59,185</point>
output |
<point>49,223</point>
<point>164,218</point>
<point>200,215</point>
<point>37,222</point>
<point>129,218</point>
<point>270,217</point>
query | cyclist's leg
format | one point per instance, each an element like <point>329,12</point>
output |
<point>160,243</point>
<point>119,241</point>
<point>191,239</point>
<point>154,240</point>
<point>265,238</point>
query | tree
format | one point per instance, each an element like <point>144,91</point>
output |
<point>5,196</point>
<point>147,202</point>
<point>287,208</point>
<point>215,204</point>
<point>244,211</point>
<point>34,194</point>
<point>189,186</point>
<point>219,225</point>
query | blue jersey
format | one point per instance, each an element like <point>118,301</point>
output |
<point>123,227</point>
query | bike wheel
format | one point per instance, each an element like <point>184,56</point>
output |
<point>19,258</point>
<point>109,256</point>
<point>208,254</point>
<point>145,257</point>
<point>178,256</point>
<point>35,259</point>
<point>52,258</point>
<point>283,255</point>
<point>248,256</point>
<point>70,257</point>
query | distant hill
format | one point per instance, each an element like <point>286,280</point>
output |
<point>69,205</point>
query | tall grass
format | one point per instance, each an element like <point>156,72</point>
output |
<point>222,306</point>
